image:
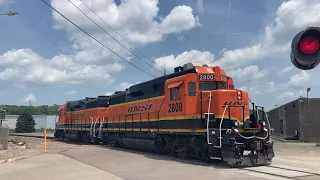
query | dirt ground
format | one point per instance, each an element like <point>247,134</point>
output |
<point>30,146</point>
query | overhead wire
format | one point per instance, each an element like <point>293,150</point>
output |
<point>82,1</point>
<point>112,36</point>
<point>96,39</point>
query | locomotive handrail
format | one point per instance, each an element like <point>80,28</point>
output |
<point>208,133</point>
<point>220,126</point>
<point>100,127</point>
<point>91,118</point>
<point>262,138</point>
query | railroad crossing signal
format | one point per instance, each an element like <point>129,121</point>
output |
<point>305,49</point>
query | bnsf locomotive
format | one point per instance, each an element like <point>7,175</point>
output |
<point>194,112</point>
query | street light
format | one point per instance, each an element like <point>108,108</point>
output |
<point>10,13</point>
<point>308,90</point>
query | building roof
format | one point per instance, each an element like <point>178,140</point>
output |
<point>301,97</point>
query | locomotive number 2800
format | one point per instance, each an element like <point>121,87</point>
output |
<point>206,76</point>
<point>175,107</point>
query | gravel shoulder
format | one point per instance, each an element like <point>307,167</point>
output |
<point>19,146</point>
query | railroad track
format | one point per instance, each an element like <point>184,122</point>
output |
<point>278,173</point>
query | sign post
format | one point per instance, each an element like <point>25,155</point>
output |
<point>2,116</point>
<point>45,140</point>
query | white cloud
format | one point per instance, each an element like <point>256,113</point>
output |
<point>30,97</point>
<point>70,92</point>
<point>247,73</point>
<point>108,93</point>
<point>292,89</point>
<point>273,46</point>
<point>121,87</point>
<point>193,56</point>
<point>252,90</point>
<point>285,70</point>
<point>271,86</point>
<point>136,20</point>
<point>26,66</point>
<point>289,95</point>
<point>291,17</point>
<point>298,80</point>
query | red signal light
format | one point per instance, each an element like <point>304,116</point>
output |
<point>309,45</point>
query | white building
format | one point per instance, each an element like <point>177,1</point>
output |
<point>42,121</point>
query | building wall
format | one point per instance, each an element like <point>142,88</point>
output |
<point>311,119</point>
<point>273,116</point>
<point>285,119</point>
<point>297,115</point>
<point>292,118</point>
<point>42,121</point>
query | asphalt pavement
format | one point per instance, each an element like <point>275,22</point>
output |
<point>51,167</point>
<point>137,165</point>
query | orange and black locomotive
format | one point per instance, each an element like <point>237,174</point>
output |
<point>194,112</point>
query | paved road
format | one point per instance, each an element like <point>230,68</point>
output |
<point>135,165</point>
<point>51,167</point>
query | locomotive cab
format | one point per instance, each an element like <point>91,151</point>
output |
<point>223,113</point>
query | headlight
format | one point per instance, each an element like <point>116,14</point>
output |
<point>264,123</point>
<point>236,124</point>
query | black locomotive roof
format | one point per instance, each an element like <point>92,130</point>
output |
<point>144,86</point>
<point>147,89</point>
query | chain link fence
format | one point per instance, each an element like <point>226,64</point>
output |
<point>4,135</point>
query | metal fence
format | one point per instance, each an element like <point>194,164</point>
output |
<point>4,136</point>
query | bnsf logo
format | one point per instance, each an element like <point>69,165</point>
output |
<point>77,116</point>
<point>237,103</point>
<point>140,108</point>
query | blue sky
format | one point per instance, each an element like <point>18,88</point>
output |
<point>45,59</point>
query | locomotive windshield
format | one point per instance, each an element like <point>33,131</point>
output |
<point>206,86</point>
<point>221,85</point>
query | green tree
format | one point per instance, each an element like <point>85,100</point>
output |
<point>25,123</point>
<point>35,110</point>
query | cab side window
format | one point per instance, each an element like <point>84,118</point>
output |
<point>174,93</point>
<point>192,88</point>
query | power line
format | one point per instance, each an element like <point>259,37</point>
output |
<point>95,38</point>
<point>116,31</point>
<point>111,35</point>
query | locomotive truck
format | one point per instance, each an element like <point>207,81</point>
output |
<point>193,112</point>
